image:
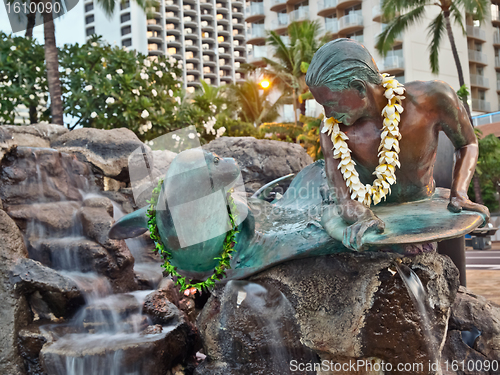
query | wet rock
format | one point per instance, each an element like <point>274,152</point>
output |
<point>152,354</point>
<point>472,312</point>
<point>100,202</point>
<point>37,135</point>
<point>14,313</point>
<point>31,341</point>
<point>250,329</point>
<point>160,309</point>
<point>107,150</point>
<point>6,142</point>
<point>351,307</point>
<point>54,218</point>
<point>59,292</point>
<point>261,161</point>
<point>153,330</point>
<point>30,175</point>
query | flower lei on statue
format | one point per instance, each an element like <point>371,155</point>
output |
<point>388,149</point>
<point>224,259</point>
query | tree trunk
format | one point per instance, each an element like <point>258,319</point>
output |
<point>29,35</point>
<point>295,106</point>
<point>52,69</point>
<point>460,72</point>
<point>477,189</point>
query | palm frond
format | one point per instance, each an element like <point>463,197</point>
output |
<point>436,29</point>
<point>398,24</point>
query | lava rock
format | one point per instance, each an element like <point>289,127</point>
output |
<point>160,309</point>
<point>59,292</point>
<point>6,142</point>
<point>469,312</point>
<point>14,313</point>
<point>251,329</point>
<point>349,307</point>
<point>55,218</point>
<point>261,161</point>
<point>100,202</point>
<point>31,341</point>
<point>30,175</point>
<point>107,150</point>
<point>37,135</point>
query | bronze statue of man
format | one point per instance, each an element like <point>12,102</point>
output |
<point>345,80</point>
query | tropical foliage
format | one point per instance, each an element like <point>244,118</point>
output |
<point>23,82</point>
<point>402,14</point>
<point>488,171</point>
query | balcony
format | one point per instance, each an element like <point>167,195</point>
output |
<point>357,38</point>
<point>476,33</point>
<point>256,54</point>
<point>332,25</point>
<point>350,23</point>
<point>497,62</point>
<point>477,57</point>
<point>498,85</point>
<point>327,7</point>
<point>281,23</point>
<point>256,34</point>
<point>299,14</point>
<point>254,12</point>
<point>377,13</point>
<point>154,24</point>
<point>480,105</point>
<point>342,4</point>
<point>496,38</point>
<point>278,5</point>
<point>495,17</point>
<point>477,80</point>
<point>392,64</point>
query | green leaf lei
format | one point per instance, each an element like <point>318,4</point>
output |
<point>224,259</point>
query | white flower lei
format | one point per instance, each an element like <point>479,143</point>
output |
<point>388,149</point>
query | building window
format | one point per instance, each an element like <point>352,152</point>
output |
<point>89,7</point>
<point>125,5</point>
<point>126,30</point>
<point>126,42</point>
<point>89,19</point>
<point>125,17</point>
<point>172,51</point>
<point>90,31</point>
<point>153,47</point>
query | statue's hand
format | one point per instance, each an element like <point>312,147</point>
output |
<point>361,219</point>
<point>459,202</point>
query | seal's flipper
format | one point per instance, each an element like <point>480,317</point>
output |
<point>131,225</point>
<point>264,191</point>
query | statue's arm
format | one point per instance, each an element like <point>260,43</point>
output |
<point>360,217</point>
<point>457,126</point>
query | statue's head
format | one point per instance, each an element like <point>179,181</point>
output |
<point>338,75</point>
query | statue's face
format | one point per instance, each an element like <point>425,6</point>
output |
<point>346,106</point>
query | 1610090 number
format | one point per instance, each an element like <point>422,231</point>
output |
<point>33,8</point>
<point>470,365</point>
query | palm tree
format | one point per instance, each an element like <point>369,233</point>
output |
<point>289,66</point>
<point>255,106</point>
<point>401,14</point>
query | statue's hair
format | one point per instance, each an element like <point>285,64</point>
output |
<point>339,62</point>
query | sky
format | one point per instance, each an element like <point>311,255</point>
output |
<point>69,28</point>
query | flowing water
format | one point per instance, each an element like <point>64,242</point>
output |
<point>105,337</point>
<point>417,293</point>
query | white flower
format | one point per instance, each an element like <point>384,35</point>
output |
<point>136,92</point>
<point>144,76</point>
<point>13,48</point>
<point>178,100</point>
<point>174,76</point>
<point>94,44</point>
<point>170,92</point>
<point>154,92</point>
<point>159,73</point>
<point>103,59</point>
<point>105,115</point>
<point>32,97</point>
<point>147,62</point>
<point>37,69</point>
<point>93,114</point>
<point>191,135</point>
<point>213,108</point>
<point>110,100</point>
<point>120,71</point>
<point>108,76</point>
<point>224,106</point>
<point>145,114</point>
<point>162,64</point>
<point>68,71</point>
<point>88,88</point>
<point>220,131</point>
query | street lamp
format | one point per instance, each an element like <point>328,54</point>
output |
<point>265,84</point>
